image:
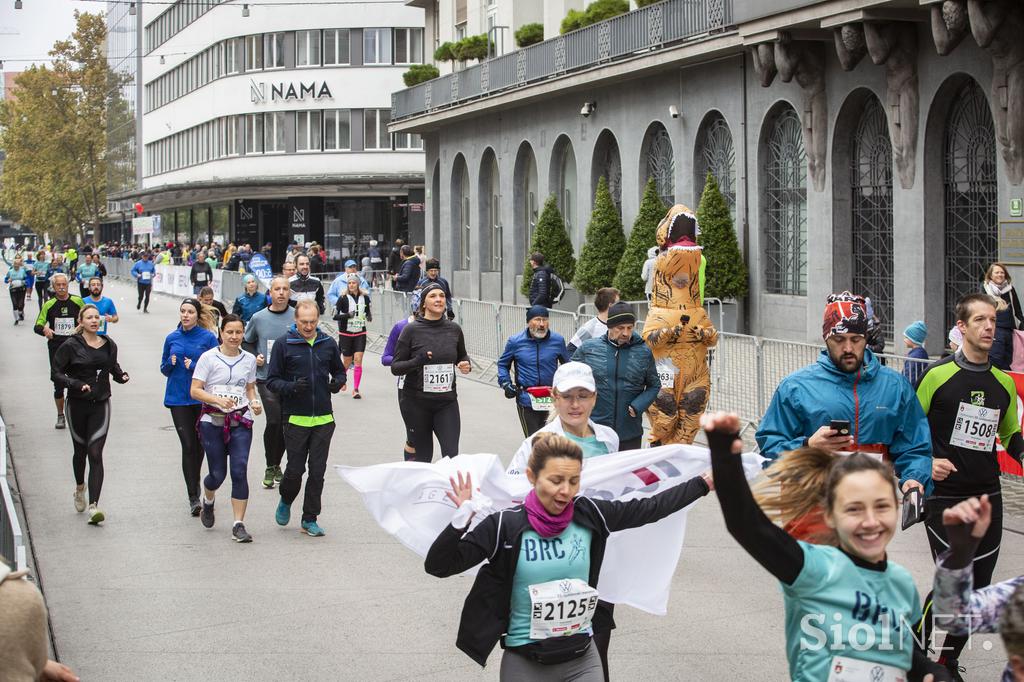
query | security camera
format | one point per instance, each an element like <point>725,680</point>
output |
<point>587,109</point>
<point>673,111</point>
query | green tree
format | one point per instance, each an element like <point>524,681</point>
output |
<point>726,271</point>
<point>445,52</point>
<point>644,3</point>
<point>420,73</point>
<point>627,275</point>
<point>604,9</point>
<point>604,244</point>
<point>55,135</point>
<point>572,21</point>
<point>529,34</point>
<point>551,239</point>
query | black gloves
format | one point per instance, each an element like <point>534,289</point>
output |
<point>451,314</point>
<point>300,386</point>
<point>335,385</point>
<point>510,391</point>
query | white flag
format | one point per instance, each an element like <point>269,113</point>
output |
<point>408,500</point>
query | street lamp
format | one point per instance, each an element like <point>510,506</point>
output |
<point>245,10</point>
<point>17,4</point>
<point>131,9</point>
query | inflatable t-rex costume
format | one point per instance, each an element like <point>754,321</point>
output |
<point>678,331</point>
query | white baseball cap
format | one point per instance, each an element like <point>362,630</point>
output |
<point>574,375</point>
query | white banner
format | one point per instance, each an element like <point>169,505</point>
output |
<point>408,500</point>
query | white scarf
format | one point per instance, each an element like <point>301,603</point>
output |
<point>992,289</point>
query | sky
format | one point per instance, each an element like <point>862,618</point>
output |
<point>27,34</point>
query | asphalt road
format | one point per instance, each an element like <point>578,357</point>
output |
<point>152,595</point>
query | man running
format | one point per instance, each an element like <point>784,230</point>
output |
<point>57,321</point>
<point>105,306</point>
<point>305,369</point>
<point>144,271</point>
<point>536,352</point>
<point>261,333</point>
<point>304,286</point>
<point>598,325</point>
<point>969,402</point>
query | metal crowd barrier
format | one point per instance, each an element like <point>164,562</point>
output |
<point>12,540</point>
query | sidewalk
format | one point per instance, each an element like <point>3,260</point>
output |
<point>152,595</point>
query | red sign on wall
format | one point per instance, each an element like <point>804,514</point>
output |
<point>1008,464</point>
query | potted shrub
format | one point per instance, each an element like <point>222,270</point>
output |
<point>529,34</point>
<point>420,73</point>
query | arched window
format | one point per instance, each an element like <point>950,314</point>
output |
<point>607,164</point>
<point>971,194</point>
<point>526,197</point>
<point>785,206</point>
<point>718,157</point>
<point>659,163</point>
<point>490,211</point>
<point>567,185</point>
<point>871,211</point>
<point>461,219</point>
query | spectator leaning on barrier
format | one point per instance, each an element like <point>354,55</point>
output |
<point>917,356</point>
<point>536,353</point>
<point>627,379</point>
<point>433,275</point>
<point>848,383</point>
<point>409,272</point>
<point>540,284</point>
<point>597,326</point>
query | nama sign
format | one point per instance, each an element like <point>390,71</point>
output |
<point>288,91</point>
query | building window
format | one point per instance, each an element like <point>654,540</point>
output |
<point>718,157</point>
<point>273,131</point>
<point>253,53</point>
<point>337,133</point>
<point>376,45</point>
<point>608,165</point>
<point>307,48</point>
<point>661,164</point>
<point>376,129</point>
<point>408,141</point>
<point>307,131</point>
<point>567,190</point>
<point>273,50</point>
<point>408,45</point>
<point>254,134</point>
<point>785,201</point>
<point>336,50</point>
<point>494,217</point>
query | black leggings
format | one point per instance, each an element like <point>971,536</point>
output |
<point>185,418</point>
<point>984,561</point>
<point>18,299</point>
<point>88,423</point>
<point>273,434</point>
<point>407,419</point>
<point>42,292</point>
<point>430,417</point>
<point>144,291</point>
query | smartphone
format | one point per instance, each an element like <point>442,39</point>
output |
<point>841,426</point>
<point>913,508</point>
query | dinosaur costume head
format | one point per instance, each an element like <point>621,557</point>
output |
<point>676,270</point>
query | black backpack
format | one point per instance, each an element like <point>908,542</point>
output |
<point>556,288</point>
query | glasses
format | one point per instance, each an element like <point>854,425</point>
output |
<point>576,397</point>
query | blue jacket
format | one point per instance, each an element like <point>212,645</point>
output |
<point>318,364</point>
<point>424,281</point>
<point>625,376</point>
<point>246,306</point>
<point>536,361</point>
<point>142,266</point>
<point>879,403</point>
<point>915,365</point>
<point>183,344</point>
<point>340,286</point>
<point>408,275</point>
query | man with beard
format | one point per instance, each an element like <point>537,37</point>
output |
<point>105,306</point>
<point>304,286</point>
<point>536,352</point>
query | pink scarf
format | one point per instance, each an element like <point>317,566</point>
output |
<point>542,521</point>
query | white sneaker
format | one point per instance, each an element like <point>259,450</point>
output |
<point>79,500</point>
<point>95,516</point>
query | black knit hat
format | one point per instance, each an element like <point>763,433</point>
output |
<point>433,264</point>
<point>620,313</point>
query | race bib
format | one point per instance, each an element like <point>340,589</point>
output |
<point>103,325</point>
<point>561,607</point>
<point>401,382</point>
<point>235,394</point>
<point>200,276</point>
<point>356,324</point>
<point>545,404</point>
<point>975,428</point>
<point>845,669</point>
<point>438,378</point>
<point>17,283</point>
<point>270,347</point>
<point>146,275</point>
<point>305,295</point>
<point>667,372</point>
<point>64,326</point>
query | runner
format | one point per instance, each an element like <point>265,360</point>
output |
<point>201,274</point>
<point>41,274</point>
<point>386,358</point>
<point>83,273</point>
<point>542,557</point>
<point>224,380</point>
<point>306,368</point>
<point>304,286</point>
<point>251,301</point>
<point>57,321</point>
<point>834,595</point>
<point>352,311</point>
<point>108,311</point>
<point>84,365</point>
<point>428,351</point>
<point>536,353</point>
<point>182,349</point>
<point>969,402</point>
<point>17,278</point>
<point>143,271</point>
<point>264,329</point>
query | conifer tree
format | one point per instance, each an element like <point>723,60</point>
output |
<point>550,239</point>
<point>604,244</point>
<point>627,276</point>
<point>726,271</point>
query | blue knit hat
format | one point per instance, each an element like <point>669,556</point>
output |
<point>536,311</point>
<point>917,332</point>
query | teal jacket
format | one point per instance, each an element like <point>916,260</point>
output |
<point>625,376</point>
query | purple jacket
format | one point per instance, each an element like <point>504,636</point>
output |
<point>389,347</point>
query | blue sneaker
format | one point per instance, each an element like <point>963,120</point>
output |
<point>283,513</point>
<point>311,529</point>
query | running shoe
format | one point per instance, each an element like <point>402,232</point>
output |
<point>278,474</point>
<point>206,515</point>
<point>95,516</point>
<point>268,478</point>
<point>61,422</point>
<point>79,500</point>
<point>240,534</point>
<point>283,513</point>
<point>355,394</point>
<point>193,506</point>
<point>311,529</point>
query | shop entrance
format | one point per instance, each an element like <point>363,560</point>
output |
<point>274,229</point>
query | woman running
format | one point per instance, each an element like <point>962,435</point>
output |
<point>84,365</point>
<point>847,607</point>
<point>386,358</point>
<point>224,380</point>
<point>182,349</point>
<point>251,301</point>
<point>17,279</point>
<point>41,273</point>
<point>543,561</point>
<point>352,311</point>
<point>428,351</point>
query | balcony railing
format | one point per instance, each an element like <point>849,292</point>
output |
<point>639,31</point>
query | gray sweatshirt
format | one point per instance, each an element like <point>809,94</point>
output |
<point>267,326</point>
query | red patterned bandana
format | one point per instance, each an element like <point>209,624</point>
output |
<point>845,313</point>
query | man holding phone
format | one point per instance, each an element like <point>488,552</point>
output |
<point>969,403</point>
<point>848,401</point>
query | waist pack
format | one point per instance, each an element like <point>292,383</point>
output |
<point>555,650</point>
